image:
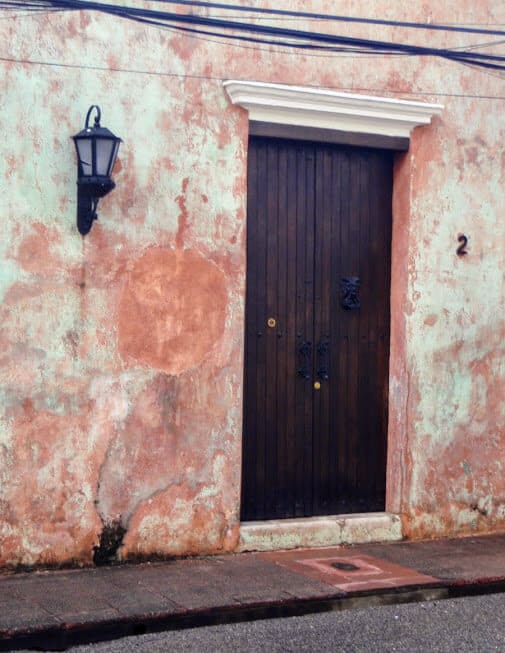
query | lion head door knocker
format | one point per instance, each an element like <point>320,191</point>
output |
<point>350,293</point>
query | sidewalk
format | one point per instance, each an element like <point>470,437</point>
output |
<point>57,609</point>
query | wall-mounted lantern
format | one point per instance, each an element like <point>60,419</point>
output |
<point>97,149</point>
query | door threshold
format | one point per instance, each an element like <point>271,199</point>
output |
<point>328,530</point>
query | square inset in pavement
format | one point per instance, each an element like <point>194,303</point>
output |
<point>344,567</point>
<point>350,573</point>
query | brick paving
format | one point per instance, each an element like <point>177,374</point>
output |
<point>56,609</point>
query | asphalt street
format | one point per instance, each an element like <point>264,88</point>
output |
<point>463,625</point>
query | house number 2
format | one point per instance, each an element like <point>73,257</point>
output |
<point>461,251</point>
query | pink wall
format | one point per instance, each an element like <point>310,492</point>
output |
<point>121,364</point>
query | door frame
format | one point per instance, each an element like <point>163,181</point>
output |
<point>308,113</point>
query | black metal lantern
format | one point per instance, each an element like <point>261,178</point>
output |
<point>97,149</point>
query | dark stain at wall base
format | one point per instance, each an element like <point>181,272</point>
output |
<point>111,538</point>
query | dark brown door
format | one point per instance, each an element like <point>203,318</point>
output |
<point>317,329</point>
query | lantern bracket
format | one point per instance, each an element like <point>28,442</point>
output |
<point>97,117</point>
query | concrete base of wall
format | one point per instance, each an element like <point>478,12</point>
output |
<point>319,531</point>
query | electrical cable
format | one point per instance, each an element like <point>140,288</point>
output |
<point>266,34</point>
<point>292,44</point>
<point>331,52</point>
<point>101,6</point>
<point>194,32</point>
<point>215,78</point>
<point>331,17</point>
<point>158,19</point>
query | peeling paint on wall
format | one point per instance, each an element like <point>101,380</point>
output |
<point>121,353</point>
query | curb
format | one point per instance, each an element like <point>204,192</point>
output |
<point>65,635</point>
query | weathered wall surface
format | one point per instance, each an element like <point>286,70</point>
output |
<point>454,328</point>
<point>121,353</point>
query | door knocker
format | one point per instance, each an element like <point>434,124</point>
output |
<point>350,293</point>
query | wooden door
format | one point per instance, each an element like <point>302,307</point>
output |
<point>317,329</point>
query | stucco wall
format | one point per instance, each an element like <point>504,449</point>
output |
<point>121,353</point>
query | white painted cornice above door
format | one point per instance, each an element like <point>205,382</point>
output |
<point>306,106</point>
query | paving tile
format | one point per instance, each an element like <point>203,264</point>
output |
<point>64,594</point>
<point>119,581</point>
<point>143,601</point>
<point>239,577</point>
<point>349,571</point>
<point>60,599</point>
<point>11,589</point>
<point>20,615</point>
<point>461,559</point>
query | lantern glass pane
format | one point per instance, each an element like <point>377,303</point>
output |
<point>113,160</point>
<point>83,146</point>
<point>104,148</point>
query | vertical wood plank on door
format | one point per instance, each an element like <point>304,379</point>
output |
<point>292,341</point>
<point>342,227</point>
<point>261,317</point>
<point>308,155</point>
<point>367,271</point>
<point>376,254</point>
<point>322,332</point>
<point>249,490</point>
<point>281,334</point>
<point>271,363</point>
<point>337,353</point>
<point>384,188</point>
<point>317,427</point>
<point>353,317</point>
<point>302,336</point>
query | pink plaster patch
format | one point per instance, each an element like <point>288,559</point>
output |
<point>172,310</point>
<point>34,253</point>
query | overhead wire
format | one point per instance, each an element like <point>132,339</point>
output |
<point>216,78</point>
<point>37,5</point>
<point>301,39</point>
<point>313,43</point>
<point>477,46</point>
<point>39,8</point>
<point>250,39</point>
<point>101,6</point>
<point>329,17</point>
<point>342,52</point>
<point>330,49</point>
<point>40,5</point>
<point>475,28</point>
<point>7,4</point>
